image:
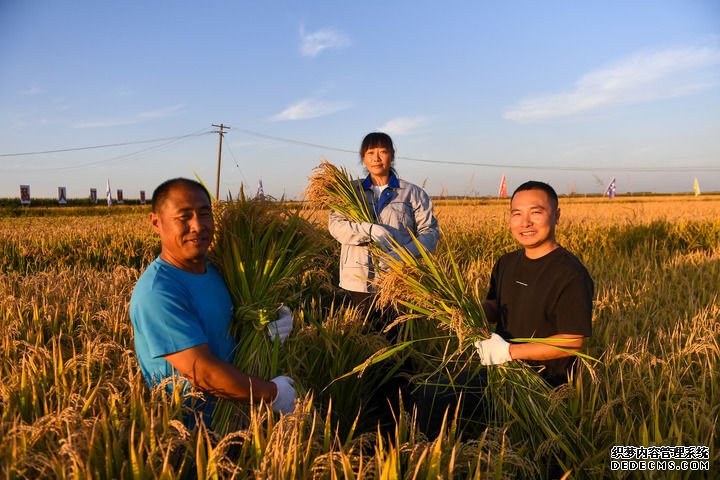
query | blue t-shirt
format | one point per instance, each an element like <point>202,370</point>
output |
<point>172,310</point>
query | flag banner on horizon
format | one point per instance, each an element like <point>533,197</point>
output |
<point>108,193</point>
<point>142,197</point>
<point>62,196</point>
<point>260,191</point>
<point>610,190</point>
<point>502,192</point>
<point>119,195</point>
<point>24,194</point>
<point>696,187</point>
<point>93,195</point>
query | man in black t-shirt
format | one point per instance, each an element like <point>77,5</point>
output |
<point>540,291</point>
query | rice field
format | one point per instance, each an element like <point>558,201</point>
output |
<point>73,403</point>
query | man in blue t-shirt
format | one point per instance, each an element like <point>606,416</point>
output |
<point>181,309</point>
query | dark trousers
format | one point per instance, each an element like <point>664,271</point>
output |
<point>431,398</point>
<point>377,318</point>
<point>362,300</point>
<point>387,400</point>
<point>465,393</point>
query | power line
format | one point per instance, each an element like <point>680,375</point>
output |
<point>296,142</point>
<point>237,165</point>
<point>566,168</point>
<point>490,165</point>
<point>127,155</point>
<point>109,145</point>
<point>174,140</point>
<point>355,152</point>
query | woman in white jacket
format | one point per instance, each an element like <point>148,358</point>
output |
<point>400,209</point>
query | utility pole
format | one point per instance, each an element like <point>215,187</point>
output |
<point>217,180</point>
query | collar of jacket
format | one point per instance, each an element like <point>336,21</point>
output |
<point>386,194</point>
<point>392,183</point>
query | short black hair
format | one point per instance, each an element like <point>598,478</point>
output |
<point>163,190</point>
<point>535,185</point>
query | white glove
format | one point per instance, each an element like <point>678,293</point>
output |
<point>285,399</point>
<point>493,351</point>
<point>379,235</point>
<point>281,327</point>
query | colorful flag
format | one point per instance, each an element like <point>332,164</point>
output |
<point>62,196</point>
<point>696,187</point>
<point>610,190</point>
<point>502,192</point>
<point>260,191</point>
<point>108,193</point>
<point>24,194</point>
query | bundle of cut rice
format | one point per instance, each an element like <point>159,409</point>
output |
<point>333,188</point>
<point>434,287</point>
<point>269,256</point>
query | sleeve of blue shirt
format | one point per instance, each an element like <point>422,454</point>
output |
<point>168,321</point>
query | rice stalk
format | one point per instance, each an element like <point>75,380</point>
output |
<point>334,188</point>
<point>269,256</point>
<point>332,342</point>
<point>434,288</point>
<point>656,328</point>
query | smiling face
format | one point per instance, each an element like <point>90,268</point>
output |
<point>185,224</point>
<point>378,161</point>
<point>532,222</point>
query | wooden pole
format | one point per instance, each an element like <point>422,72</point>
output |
<point>217,179</point>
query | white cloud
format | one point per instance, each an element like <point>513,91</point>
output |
<point>640,78</point>
<point>310,108</point>
<point>403,125</point>
<point>141,117</point>
<point>311,44</point>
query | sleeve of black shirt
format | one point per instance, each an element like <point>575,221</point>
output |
<point>573,311</point>
<point>492,292</point>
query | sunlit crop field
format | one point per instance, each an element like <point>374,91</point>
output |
<point>73,403</point>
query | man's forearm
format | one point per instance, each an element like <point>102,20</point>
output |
<point>208,373</point>
<point>548,350</point>
<point>225,381</point>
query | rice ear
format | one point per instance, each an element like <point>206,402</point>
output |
<point>267,254</point>
<point>334,188</point>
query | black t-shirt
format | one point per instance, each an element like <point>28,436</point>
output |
<point>540,297</point>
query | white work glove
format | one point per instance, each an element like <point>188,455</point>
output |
<point>284,401</point>
<point>281,327</point>
<point>493,351</point>
<point>379,235</point>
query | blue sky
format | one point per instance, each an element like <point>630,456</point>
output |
<point>573,93</point>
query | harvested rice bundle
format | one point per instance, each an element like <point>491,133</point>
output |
<point>430,286</point>
<point>434,288</point>
<point>333,188</point>
<point>269,256</point>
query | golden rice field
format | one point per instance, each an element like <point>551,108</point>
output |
<point>73,403</point>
